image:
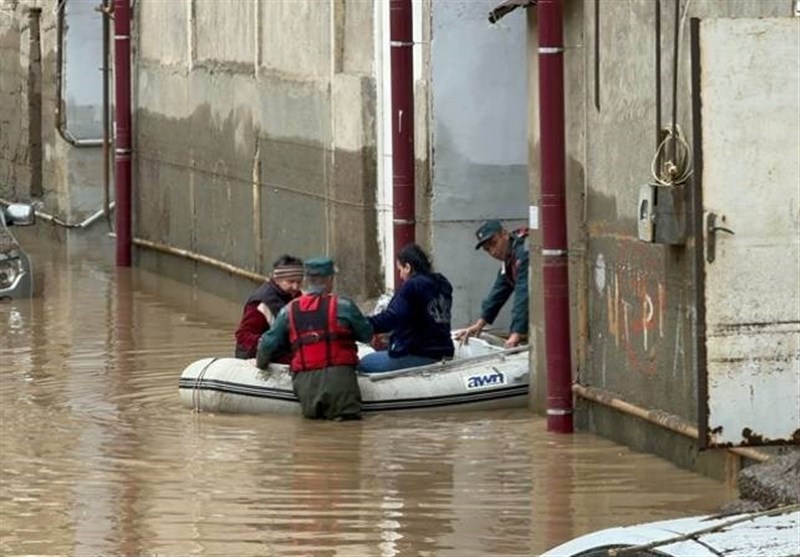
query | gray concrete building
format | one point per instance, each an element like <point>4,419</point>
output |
<point>49,137</point>
<point>695,327</point>
<point>264,127</point>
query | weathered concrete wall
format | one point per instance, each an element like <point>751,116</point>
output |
<point>641,301</point>
<point>479,158</point>
<point>633,302</point>
<point>752,288</point>
<point>255,134</point>
<point>34,159</point>
<point>14,137</point>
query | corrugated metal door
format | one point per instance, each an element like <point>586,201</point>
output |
<point>746,74</point>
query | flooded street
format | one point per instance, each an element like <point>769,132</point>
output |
<point>98,457</point>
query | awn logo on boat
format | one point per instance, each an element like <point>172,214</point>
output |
<point>486,380</point>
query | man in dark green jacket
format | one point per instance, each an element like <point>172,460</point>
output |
<point>320,329</point>
<point>512,278</point>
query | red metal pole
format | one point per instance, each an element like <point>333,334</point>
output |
<point>402,64</point>
<point>554,217</point>
<point>122,142</point>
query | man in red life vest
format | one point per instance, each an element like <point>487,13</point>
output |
<point>321,329</point>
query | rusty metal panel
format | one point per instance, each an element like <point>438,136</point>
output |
<point>749,71</point>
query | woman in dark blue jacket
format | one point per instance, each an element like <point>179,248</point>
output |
<point>418,317</point>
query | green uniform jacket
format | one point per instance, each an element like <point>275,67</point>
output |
<point>511,278</point>
<point>276,339</point>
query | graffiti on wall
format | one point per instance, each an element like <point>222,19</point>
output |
<point>635,303</point>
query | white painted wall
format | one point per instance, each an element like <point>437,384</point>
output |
<point>751,157</point>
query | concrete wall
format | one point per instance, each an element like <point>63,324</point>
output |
<point>35,160</point>
<point>633,302</point>
<point>256,135</point>
<point>478,157</point>
<point>15,167</point>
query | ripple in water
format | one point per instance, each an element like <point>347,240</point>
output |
<point>98,457</point>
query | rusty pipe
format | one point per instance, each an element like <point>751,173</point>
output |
<point>656,417</point>
<point>200,258</point>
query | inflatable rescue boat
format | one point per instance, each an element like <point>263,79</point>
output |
<point>480,376</point>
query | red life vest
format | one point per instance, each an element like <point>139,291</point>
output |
<point>317,339</point>
<point>512,263</point>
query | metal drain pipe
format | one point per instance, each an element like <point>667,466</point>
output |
<point>554,217</point>
<point>657,417</point>
<point>402,67</point>
<point>122,150</point>
<point>200,258</point>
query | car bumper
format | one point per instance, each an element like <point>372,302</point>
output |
<point>16,280</point>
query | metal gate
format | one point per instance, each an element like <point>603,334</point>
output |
<point>746,118</point>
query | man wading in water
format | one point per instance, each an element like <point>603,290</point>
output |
<point>321,329</point>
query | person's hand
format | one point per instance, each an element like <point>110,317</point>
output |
<point>514,339</point>
<point>462,336</point>
<point>254,362</point>
<point>379,342</point>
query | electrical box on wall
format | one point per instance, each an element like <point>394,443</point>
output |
<point>662,214</point>
<point>646,199</point>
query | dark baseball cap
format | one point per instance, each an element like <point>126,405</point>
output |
<point>486,231</point>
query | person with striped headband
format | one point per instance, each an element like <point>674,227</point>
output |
<point>263,305</point>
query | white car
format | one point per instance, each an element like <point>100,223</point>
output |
<point>773,533</point>
<point>16,280</point>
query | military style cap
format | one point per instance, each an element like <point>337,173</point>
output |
<point>319,267</point>
<point>486,231</point>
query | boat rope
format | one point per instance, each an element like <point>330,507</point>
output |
<point>198,382</point>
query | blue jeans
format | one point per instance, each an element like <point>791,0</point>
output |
<point>377,362</point>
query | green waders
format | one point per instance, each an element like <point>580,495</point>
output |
<point>329,393</point>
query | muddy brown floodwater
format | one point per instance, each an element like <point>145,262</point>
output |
<point>98,457</point>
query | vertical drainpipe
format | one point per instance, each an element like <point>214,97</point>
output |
<point>554,217</point>
<point>122,150</point>
<point>104,10</point>
<point>402,62</point>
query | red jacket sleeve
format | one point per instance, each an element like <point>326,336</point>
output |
<point>251,327</point>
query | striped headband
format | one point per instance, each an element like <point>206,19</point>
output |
<point>287,272</point>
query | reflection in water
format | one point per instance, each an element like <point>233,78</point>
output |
<point>98,457</point>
